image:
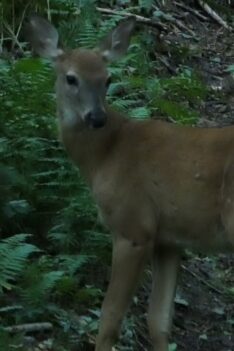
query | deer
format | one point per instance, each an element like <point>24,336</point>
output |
<point>160,187</point>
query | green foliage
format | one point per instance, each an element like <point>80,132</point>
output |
<point>72,263</point>
<point>146,4</point>
<point>221,6</point>
<point>14,253</point>
<point>9,342</point>
<point>230,69</point>
<point>36,287</point>
<point>177,111</point>
<point>172,347</point>
<point>16,103</point>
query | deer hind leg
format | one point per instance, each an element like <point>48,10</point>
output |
<point>128,262</point>
<point>228,221</point>
<point>227,196</point>
<point>165,268</point>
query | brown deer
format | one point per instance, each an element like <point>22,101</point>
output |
<point>160,187</point>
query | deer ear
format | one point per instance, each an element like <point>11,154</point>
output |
<point>117,42</point>
<point>42,36</point>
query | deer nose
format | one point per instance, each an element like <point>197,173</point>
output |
<point>96,118</point>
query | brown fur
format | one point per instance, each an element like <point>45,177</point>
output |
<point>90,63</point>
<point>179,172</point>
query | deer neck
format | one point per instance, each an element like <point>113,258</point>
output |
<point>89,148</point>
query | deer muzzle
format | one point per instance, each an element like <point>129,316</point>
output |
<point>96,118</point>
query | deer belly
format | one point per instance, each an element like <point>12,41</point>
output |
<point>202,234</point>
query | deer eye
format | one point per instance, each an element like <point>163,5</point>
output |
<point>108,82</point>
<point>72,80</point>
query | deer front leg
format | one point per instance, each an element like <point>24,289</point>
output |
<point>165,268</point>
<point>127,264</point>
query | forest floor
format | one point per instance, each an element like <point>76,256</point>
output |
<point>204,306</point>
<point>204,309</point>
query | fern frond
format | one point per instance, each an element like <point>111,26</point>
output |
<point>146,4</point>
<point>87,36</point>
<point>38,284</point>
<point>14,253</point>
<point>72,263</point>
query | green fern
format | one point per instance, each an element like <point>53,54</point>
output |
<point>36,286</point>
<point>62,238</point>
<point>72,263</point>
<point>9,342</point>
<point>146,4</point>
<point>87,35</point>
<point>105,26</point>
<point>14,253</point>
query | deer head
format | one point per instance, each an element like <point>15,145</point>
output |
<point>82,76</point>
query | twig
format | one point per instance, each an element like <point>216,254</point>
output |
<point>22,19</point>
<point>205,282</point>
<point>13,35</point>
<point>138,18</point>
<point>163,60</point>
<point>48,10</point>
<point>213,14</point>
<point>13,15</point>
<point>30,327</point>
<point>188,8</point>
<point>177,23</point>
<point>182,26</point>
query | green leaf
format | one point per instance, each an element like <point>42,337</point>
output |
<point>231,290</point>
<point>177,111</point>
<point>17,207</point>
<point>230,68</point>
<point>140,113</point>
<point>173,347</point>
<point>30,65</point>
<point>14,254</point>
<point>146,4</point>
<point>180,301</point>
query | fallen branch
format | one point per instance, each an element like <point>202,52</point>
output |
<point>205,282</point>
<point>189,9</point>
<point>14,37</point>
<point>138,18</point>
<point>30,327</point>
<point>164,61</point>
<point>178,23</point>
<point>213,14</point>
<point>182,26</point>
